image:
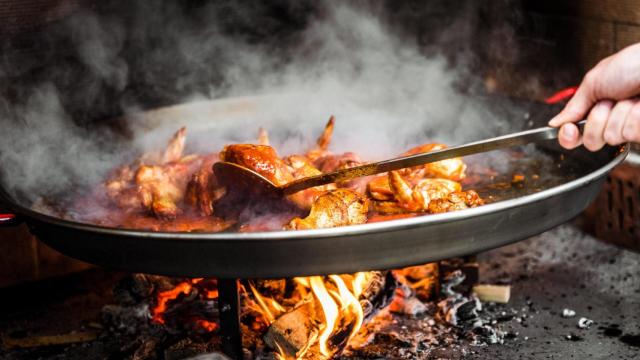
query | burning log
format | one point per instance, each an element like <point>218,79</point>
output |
<point>295,331</point>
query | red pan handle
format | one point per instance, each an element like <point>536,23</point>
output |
<point>561,95</point>
<point>9,219</point>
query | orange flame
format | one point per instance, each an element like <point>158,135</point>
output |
<point>166,296</point>
<point>184,288</point>
<point>270,308</point>
<point>330,310</point>
<point>342,314</point>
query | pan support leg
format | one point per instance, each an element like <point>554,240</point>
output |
<point>229,308</point>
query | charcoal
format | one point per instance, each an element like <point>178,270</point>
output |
<point>450,281</point>
<point>459,310</point>
<point>209,356</point>
<point>125,319</point>
<point>133,289</point>
<point>147,349</point>
<point>393,339</point>
<point>378,293</point>
<point>186,348</point>
<point>411,307</point>
<point>487,335</point>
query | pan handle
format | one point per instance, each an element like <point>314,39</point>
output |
<point>9,219</point>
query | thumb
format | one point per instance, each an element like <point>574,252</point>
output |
<point>578,107</point>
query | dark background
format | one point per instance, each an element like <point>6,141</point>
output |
<point>506,42</point>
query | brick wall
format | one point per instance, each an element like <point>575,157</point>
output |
<point>559,41</point>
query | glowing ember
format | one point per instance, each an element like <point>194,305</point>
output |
<point>166,296</point>
<point>184,288</point>
<point>207,325</point>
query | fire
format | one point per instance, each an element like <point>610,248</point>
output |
<point>166,296</point>
<point>339,314</point>
<point>184,288</point>
<point>330,310</point>
<point>270,309</point>
<point>207,325</point>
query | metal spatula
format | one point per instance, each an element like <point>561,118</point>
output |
<point>236,175</point>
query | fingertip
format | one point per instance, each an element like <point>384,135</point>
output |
<point>569,136</point>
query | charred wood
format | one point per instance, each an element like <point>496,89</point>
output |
<point>296,329</point>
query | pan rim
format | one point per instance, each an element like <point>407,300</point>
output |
<point>307,235</point>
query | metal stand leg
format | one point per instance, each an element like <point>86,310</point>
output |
<point>229,307</point>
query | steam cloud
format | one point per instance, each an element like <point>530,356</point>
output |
<point>385,90</point>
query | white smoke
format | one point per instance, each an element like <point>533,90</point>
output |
<point>385,93</point>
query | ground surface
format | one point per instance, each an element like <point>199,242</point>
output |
<point>562,268</point>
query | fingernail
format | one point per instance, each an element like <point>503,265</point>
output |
<point>568,132</point>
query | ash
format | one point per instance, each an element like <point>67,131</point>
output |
<point>451,328</point>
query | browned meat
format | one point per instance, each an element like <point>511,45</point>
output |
<point>262,159</point>
<point>453,169</point>
<point>339,207</point>
<point>203,189</point>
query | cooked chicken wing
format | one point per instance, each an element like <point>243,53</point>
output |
<point>379,189</point>
<point>428,195</point>
<point>262,159</point>
<point>161,187</point>
<point>203,189</point>
<point>175,148</point>
<point>302,167</point>
<point>263,137</point>
<point>155,186</point>
<point>456,201</point>
<point>322,144</point>
<point>339,207</point>
<point>453,169</point>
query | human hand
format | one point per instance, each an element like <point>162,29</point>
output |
<point>607,98</point>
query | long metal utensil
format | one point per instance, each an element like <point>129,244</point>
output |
<point>241,176</point>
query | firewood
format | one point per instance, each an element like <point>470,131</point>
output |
<point>378,293</point>
<point>293,331</point>
<point>493,293</point>
<point>48,340</point>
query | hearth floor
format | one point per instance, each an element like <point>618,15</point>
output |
<point>561,269</point>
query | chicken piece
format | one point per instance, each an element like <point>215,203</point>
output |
<point>379,189</point>
<point>121,189</point>
<point>160,188</point>
<point>175,148</point>
<point>301,167</point>
<point>263,137</point>
<point>453,169</point>
<point>456,201</point>
<point>339,207</point>
<point>333,162</point>
<point>418,198</point>
<point>260,158</point>
<point>139,186</point>
<point>203,190</point>
<point>322,144</point>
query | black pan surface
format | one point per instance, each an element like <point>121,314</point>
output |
<point>559,186</point>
